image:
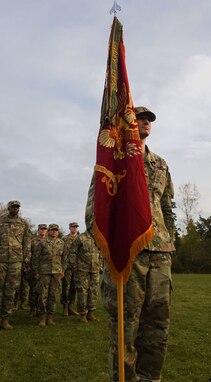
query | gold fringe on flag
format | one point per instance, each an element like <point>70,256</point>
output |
<point>137,246</point>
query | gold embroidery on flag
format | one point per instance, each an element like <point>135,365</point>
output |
<point>124,129</point>
<point>111,181</point>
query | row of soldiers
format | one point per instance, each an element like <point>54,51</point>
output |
<point>46,263</point>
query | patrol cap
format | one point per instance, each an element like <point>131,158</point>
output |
<point>143,110</point>
<point>73,224</point>
<point>13,203</point>
<point>40,226</point>
<point>53,226</point>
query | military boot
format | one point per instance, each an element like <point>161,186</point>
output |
<point>50,320</point>
<point>65,310</point>
<point>90,316</point>
<point>72,311</point>
<point>83,318</point>
<point>5,324</point>
<point>42,322</point>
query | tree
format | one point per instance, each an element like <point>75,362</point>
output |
<point>188,202</point>
<point>204,230</point>
<point>189,250</point>
<point>31,225</point>
<point>193,248</point>
<point>176,258</point>
<point>3,209</point>
<point>204,227</point>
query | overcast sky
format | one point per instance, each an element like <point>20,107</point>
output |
<point>53,57</point>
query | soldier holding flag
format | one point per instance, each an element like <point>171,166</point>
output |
<point>129,211</point>
<point>147,292</point>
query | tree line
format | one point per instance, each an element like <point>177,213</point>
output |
<point>193,248</point>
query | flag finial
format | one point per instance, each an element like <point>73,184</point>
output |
<point>116,7</point>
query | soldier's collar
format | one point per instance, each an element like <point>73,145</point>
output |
<point>17,217</point>
<point>147,154</point>
<point>149,157</point>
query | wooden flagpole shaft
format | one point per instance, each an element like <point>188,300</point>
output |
<point>121,329</point>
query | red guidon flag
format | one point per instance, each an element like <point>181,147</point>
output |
<point>122,225</point>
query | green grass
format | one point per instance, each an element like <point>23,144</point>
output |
<point>189,357</point>
<point>76,352</point>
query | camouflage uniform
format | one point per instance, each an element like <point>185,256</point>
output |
<point>32,281</point>
<point>22,293</point>
<point>68,281</point>
<point>15,246</point>
<point>49,262</point>
<point>87,273</point>
<point>147,292</point>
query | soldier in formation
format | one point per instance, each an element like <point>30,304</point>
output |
<point>87,276</point>
<point>41,234</point>
<point>68,294</point>
<point>15,247</point>
<point>49,264</point>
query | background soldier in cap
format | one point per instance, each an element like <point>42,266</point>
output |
<point>87,275</point>
<point>147,292</point>
<point>49,264</point>
<point>41,234</point>
<point>15,247</point>
<point>68,282</point>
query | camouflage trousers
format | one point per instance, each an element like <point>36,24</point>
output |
<point>22,293</point>
<point>68,287</point>
<point>146,317</point>
<point>46,288</point>
<point>32,292</point>
<point>10,275</point>
<point>87,285</point>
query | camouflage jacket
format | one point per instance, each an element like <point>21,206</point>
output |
<point>15,240</point>
<point>87,254</point>
<point>71,256</point>
<point>36,239</point>
<point>161,193</point>
<point>49,257</point>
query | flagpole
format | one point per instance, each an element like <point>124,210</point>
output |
<point>120,297</point>
<point>120,329</point>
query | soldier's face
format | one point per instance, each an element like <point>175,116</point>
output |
<point>144,126</point>
<point>73,230</point>
<point>42,232</point>
<point>13,210</point>
<point>53,233</point>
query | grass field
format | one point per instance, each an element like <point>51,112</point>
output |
<point>76,352</point>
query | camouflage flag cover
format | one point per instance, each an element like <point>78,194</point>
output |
<point>122,225</point>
